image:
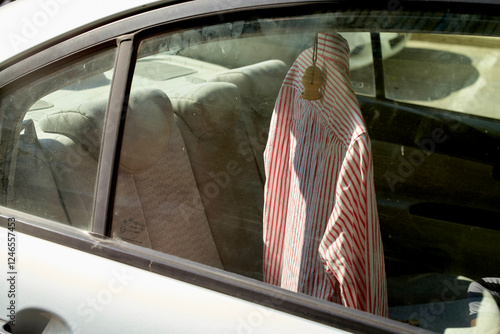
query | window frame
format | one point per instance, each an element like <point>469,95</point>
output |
<point>126,34</point>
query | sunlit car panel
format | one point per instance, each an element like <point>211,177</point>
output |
<point>419,154</point>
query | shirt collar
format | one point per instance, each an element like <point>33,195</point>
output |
<point>334,48</point>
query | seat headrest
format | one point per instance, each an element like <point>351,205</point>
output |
<point>256,80</point>
<point>207,108</point>
<point>82,123</point>
<point>148,127</point>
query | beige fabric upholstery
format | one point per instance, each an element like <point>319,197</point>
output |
<point>207,176</point>
<point>129,223</point>
<point>82,124</point>
<point>258,81</point>
<point>225,171</point>
<point>208,108</point>
<point>75,173</point>
<point>148,129</point>
<point>72,137</point>
<point>224,124</point>
<point>157,203</point>
<point>34,189</point>
<point>172,214</point>
<point>259,85</point>
<point>171,207</point>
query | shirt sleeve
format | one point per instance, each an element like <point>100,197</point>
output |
<point>276,157</point>
<point>351,248</point>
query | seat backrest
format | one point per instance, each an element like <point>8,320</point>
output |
<point>33,187</point>
<point>157,203</point>
<point>259,85</point>
<point>71,137</point>
<point>224,123</point>
<point>208,115</point>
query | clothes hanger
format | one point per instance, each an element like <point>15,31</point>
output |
<point>312,78</point>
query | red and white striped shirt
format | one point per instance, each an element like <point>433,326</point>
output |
<point>321,228</point>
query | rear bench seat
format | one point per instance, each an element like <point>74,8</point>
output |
<point>157,204</point>
<point>224,123</point>
<point>208,177</point>
<point>34,189</point>
<point>225,170</point>
<point>259,85</point>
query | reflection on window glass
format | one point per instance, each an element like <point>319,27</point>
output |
<point>460,73</point>
<point>361,62</point>
<point>210,106</point>
<point>54,125</point>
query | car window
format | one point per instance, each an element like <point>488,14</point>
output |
<point>460,72</point>
<point>361,60</point>
<point>382,199</point>
<point>51,129</point>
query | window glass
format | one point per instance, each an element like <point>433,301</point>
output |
<point>361,62</point>
<point>352,198</point>
<point>461,73</point>
<point>51,129</point>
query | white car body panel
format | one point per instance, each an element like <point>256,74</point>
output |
<point>28,23</point>
<point>116,298</point>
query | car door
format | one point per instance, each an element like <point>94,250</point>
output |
<point>133,173</point>
<point>67,269</point>
<point>435,151</point>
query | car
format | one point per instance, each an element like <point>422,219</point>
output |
<point>139,191</point>
<point>361,48</point>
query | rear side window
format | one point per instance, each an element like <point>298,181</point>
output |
<point>51,133</point>
<point>381,194</point>
<point>460,72</point>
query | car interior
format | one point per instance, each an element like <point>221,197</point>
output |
<point>191,172</point>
